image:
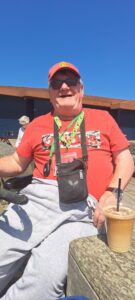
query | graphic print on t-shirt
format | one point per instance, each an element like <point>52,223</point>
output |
<point>93,140</point>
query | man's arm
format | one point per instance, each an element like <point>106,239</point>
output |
<point>13,165</point>
<point>124,168</point>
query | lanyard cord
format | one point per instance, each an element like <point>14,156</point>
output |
<point>83,143</point>
<point>78,119</point>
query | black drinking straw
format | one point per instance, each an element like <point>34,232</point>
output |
<point>118,193</point>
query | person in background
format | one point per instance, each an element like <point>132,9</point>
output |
<point>23,121</point>
<point>38,233</point>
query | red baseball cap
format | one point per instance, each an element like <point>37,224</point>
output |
<point>62,65</point>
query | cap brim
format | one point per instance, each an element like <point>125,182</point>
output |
<point>61,66</point>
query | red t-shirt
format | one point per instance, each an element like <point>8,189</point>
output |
<point>103,137</point>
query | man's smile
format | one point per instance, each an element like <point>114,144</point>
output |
<point>65,96</point>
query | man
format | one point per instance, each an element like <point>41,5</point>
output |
<point>43,228</point>
<point>23,121</point>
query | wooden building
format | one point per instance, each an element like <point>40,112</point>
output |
<point>18,101</point>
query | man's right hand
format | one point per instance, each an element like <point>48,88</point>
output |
<point>107,199</point>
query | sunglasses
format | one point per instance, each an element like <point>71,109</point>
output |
<point>57,83</point>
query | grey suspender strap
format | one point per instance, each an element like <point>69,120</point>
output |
<point>56,144</point>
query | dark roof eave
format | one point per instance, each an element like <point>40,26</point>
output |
<point>24,92</point>
<point>42,93</point>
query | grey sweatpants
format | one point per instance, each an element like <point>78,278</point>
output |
<point>43,227</point>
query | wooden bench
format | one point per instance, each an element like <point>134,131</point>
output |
<point>97,272</point>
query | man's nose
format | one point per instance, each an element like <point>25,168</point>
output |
<point>64,86</point>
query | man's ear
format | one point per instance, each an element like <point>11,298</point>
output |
<point>82,88</point>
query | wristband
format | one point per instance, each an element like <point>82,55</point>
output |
<point>115,191</point>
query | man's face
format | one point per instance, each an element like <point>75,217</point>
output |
<point>66,96</point>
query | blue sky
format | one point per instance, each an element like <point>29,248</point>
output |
<point>98,36</point>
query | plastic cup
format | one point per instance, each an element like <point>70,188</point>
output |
<point>119,226</point>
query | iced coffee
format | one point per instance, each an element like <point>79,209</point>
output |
<point>119,226</point>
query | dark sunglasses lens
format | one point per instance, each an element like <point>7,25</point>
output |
<point>71,81</point>
<point>57,83</point>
